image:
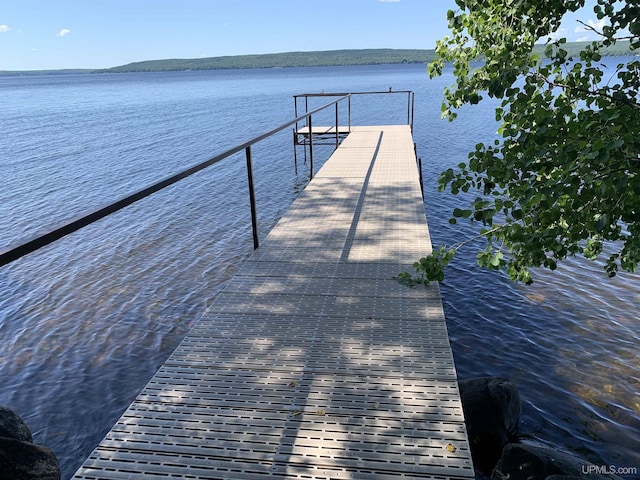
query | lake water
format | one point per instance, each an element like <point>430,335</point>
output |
<point>86,322</point>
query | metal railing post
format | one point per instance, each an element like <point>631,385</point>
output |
<point>420,176</point>
<point>295,135</point>
<point>252,199</point>
<point>310,147</point>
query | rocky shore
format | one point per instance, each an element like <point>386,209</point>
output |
<point>492,411</point>
<point>20,458</point>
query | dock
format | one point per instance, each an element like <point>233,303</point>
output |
<point>322,135</point>
<point>314,362</point>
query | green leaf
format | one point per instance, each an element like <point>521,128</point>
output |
<point>457,212</point>
<point>495,259</point>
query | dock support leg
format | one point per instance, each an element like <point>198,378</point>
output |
<point>295,151</point>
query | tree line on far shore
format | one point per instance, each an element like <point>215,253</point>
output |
<point>295,59</point>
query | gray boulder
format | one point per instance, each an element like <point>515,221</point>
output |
<point>12,426</point>
<point>530,462</point>
<point>492,412</point>
<point>20,459</point>
<point>26,461</point>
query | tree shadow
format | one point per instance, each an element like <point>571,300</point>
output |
<point>314,361</point>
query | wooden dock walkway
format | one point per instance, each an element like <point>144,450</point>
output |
<point>314,362</point>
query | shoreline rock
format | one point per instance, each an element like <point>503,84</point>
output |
<point>492,411</point>
<point>529,462</point>
<point>20,458</point>
<point>492,414</point>
<point>12,426</point>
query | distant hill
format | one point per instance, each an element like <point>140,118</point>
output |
<point>315,59</point>
<point>297,59</point>
<point>620,49</point>
<point>281,60</point>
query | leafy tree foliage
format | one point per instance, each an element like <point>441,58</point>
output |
<point>564,179</point>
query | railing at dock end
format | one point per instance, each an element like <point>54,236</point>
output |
<point>305,135</point>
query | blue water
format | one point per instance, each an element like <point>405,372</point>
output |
<point>85,322</point>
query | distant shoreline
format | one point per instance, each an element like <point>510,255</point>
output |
<point>329,58</point>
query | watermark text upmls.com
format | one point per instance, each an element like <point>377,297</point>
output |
<point>609,470</point>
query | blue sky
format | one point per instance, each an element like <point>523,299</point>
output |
<point>54,34</point>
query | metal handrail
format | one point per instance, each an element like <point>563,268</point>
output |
<point>410,100</point>
<point>20,249</point>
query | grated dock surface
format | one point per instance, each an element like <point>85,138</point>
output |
<point>314,362</point>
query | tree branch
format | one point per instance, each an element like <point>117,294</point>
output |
<point>598,93</point>
<point>598,32</point>
<point>459,245</point>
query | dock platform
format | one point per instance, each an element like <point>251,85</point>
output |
<point>322,135</point>
<point>314,362</point>
<point>324,130</point>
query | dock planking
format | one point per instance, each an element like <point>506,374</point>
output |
<point>314,362</point>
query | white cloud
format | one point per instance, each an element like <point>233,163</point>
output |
<point>4,28</point>
<point>598,25</point>
<point>558,34</point>
<point>63,32</point>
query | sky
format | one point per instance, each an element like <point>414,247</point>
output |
<point>59,34</point>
